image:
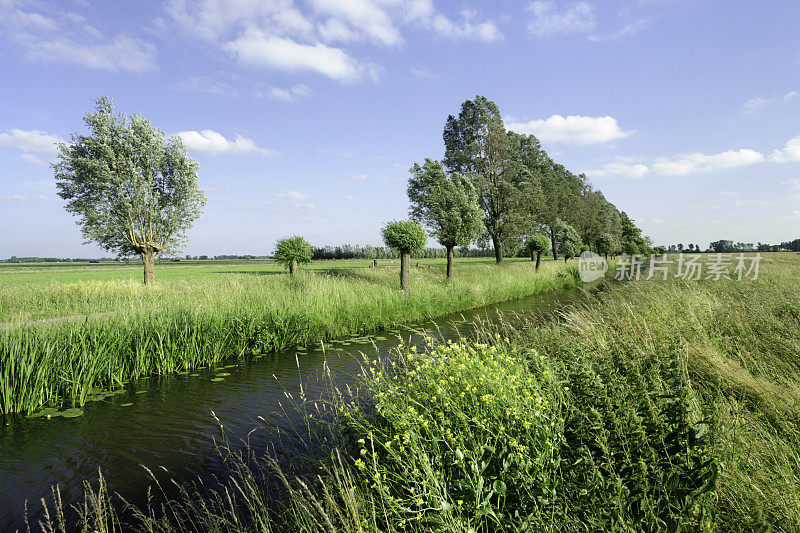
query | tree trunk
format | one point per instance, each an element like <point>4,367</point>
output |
<point>148,258</point>
<point>538,260</point>
<point>405,258</point>
<point>449,262</point>
<point>553,242</point>
<point>293,267</point>
<point>498,249</point>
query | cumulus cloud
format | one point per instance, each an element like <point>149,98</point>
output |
<point>466,28</point>
<point>757,104</point>
<point>627,31</point>
<point>66,37</point>
<point>289,95</point>
<point>620,169</point>
<point>292,37</point>
<point>348,19</point>
<point>30,158</point>
<point>550,18</point>
<point>13,199</point>
<point>34,141</point>
<point>790,152</point>
<point>258,49</point>
<point>214,143</point>
<point>291,195</point>
<point>697,162</point>
<point>573,129</point>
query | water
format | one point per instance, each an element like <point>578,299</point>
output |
<point>171,424</point>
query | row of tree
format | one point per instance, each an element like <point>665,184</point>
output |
<point>135,191</point>
<point>500,187</point>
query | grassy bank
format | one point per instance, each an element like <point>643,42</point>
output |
<point>181,325</point>
<point>656,406</point>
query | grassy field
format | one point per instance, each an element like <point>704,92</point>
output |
<point>656,406</point>
<point>207,313</point>
<point>33,291</point>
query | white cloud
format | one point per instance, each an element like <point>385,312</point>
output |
<point>30,158</point>
<point>358,177</point>
<point>13,199</point>
<point>551,19</point>
<point>66,37</point>
<point>628,31</point>
<point>34,141</point>
<point>620,169</point>
<point>789,153</point>
<point>464,29</point>
<point>697,162</point>
<point>759,103</point>
<point>573,129</point>
<point>206,84</point>
<point>279,35</point>
<point>257,49</point>
<point>288,95</point>
<point>294,201</point>
<point>214,143</point>
<point>729,194</point>
<point>794,183</point>
<point>122,53</point>
<point>365,17</point>
<point>291,195</point>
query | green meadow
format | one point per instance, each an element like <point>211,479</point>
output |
<point>117,330</point>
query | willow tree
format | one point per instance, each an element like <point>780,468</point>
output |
<point>405,236</point>
<point>133,190</point>
<point>476,145</point>
<point>292,251</point>
<point>448,205</point>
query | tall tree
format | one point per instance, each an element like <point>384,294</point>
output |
<point>561,191</point>
<point>476,145</point>
<point>133,190</point>
<point>569,242</point>
<point>448,205</point>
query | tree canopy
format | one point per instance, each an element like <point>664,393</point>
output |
<point>447,204</point>
<point>133,190</point>
<point>292,251</point>
<point>405,236</point>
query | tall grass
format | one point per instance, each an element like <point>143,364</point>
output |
<point>656,406</point>
<point>185,326</point>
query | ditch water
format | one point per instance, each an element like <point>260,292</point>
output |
<point>169,422</point>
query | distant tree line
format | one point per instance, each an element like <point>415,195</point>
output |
<point>729,246</point>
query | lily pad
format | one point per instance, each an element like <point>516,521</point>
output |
<point>217,379</point>
<point>72,413</point>
<point>44,412</point>
<point>222,374</point>
<point>126,404</point>
<point>140,391</point>
<point>194,375</point>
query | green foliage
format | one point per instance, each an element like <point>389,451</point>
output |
<point>477,146</point>
<point>466,435</point>
<point>606,244</point>
<point>446,204</point>
<point>537,244</point>
<point>630,248</point>
<point>133,190</point>
<point>568,242</point>
<point>405,236</point>
<point>292,249</point>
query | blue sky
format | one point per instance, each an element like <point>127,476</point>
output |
<point>305,115</point>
